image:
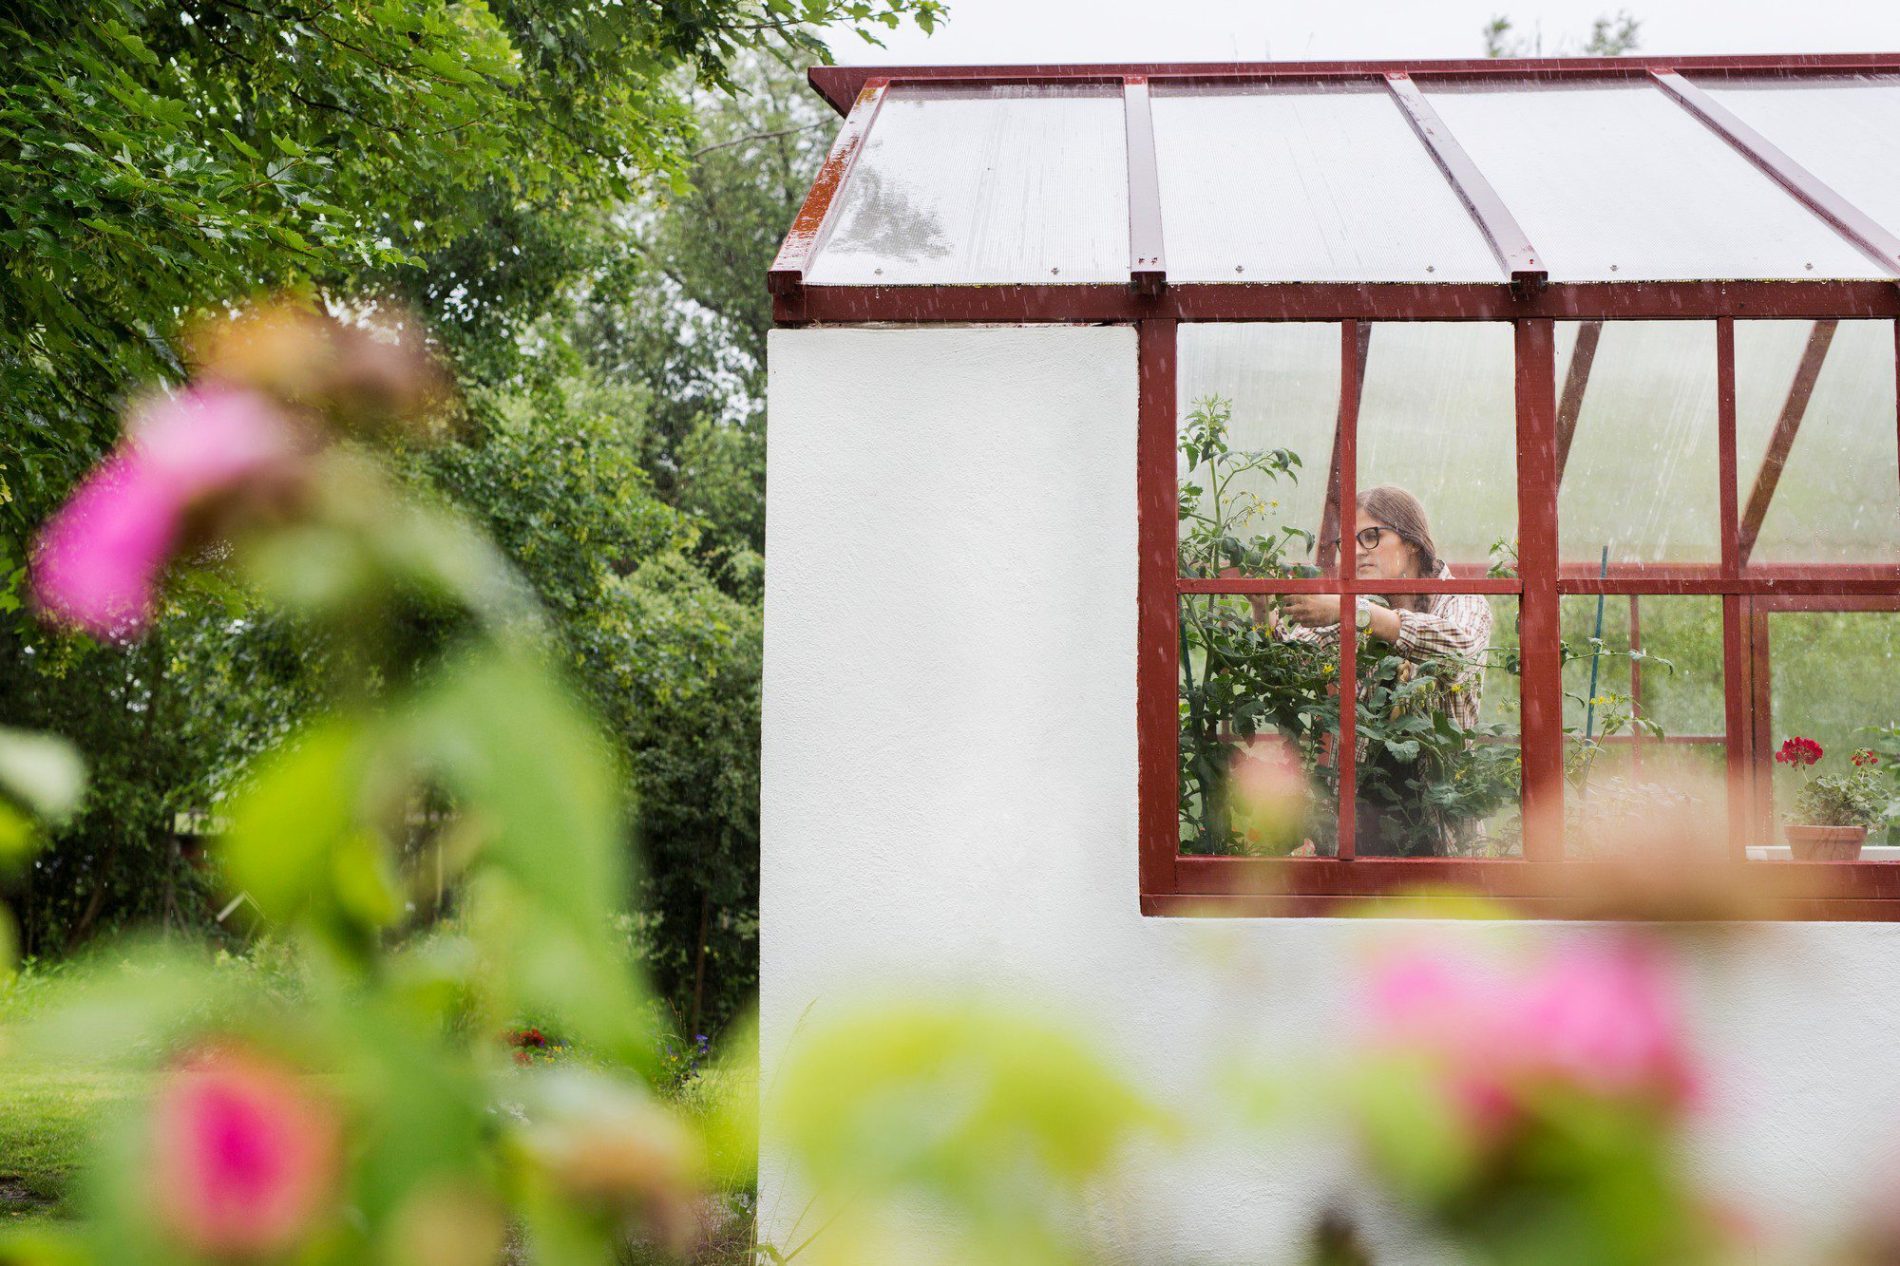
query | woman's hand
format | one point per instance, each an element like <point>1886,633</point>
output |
<point>1314,610</point>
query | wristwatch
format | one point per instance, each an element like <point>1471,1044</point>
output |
<point>1362,618</point>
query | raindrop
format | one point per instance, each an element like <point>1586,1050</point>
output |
<point>1431,268</point>
<point>1239,269</point>
<point>1055,272</point>
<point>878,272</point>
<point>1612,267</point>
<point>1808,266</point>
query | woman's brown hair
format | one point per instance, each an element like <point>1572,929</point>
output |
<point>1399,510</point>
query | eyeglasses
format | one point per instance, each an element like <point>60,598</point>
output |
<point>1368,538</point>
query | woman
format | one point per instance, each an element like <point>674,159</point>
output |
<point>1450,631</point>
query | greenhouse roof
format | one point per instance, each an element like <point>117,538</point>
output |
<point>1496,182</point>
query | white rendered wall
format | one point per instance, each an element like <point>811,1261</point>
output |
<point>949,799</point>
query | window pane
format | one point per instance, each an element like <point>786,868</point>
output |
<point>1644,720</point>
<point>1248,695</point>
<point>1438,418</point>
<point>1258,407</point>
<point>1439,748</point>
<point>1846,131</point>
<point>1616,182</point>
<point>1835,477</point>
<point>1306,183</point>
<point>1834,677</point>
<point>1641,475</point>
<point>1000,184</point>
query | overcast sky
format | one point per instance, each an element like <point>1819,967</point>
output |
<point>1286,30</point>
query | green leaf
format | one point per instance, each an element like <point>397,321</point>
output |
<point>41,773</point>
<point>296,810</point>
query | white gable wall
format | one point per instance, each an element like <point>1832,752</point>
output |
<point>949,796</point>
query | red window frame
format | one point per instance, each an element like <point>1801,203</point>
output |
<point>1541,882</point>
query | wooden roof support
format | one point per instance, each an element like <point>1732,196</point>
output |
<point>1793,409</point>
<point>1352,387</point>
<point>1583,354</point>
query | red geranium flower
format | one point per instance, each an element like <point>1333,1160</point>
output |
<point>1865,758</point>
<point>1799,752</point>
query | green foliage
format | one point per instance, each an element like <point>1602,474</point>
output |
<point>991,1113</point>
<point>599,301</point>
<point>160,158</point>
<point>447,731</point>
<point>668,660</point>
<point>1859,797</point>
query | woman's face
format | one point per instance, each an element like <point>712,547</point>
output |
<point>1392,558</point>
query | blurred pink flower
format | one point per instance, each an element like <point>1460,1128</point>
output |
<point>243,1159</point>
<point>1268,793</point>
<point>98,560</point>
<point>1597,1018</point>
<point>1605,1018</point>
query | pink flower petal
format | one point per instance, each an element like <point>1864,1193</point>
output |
<point>243,1157</point>
<point>98,560</point>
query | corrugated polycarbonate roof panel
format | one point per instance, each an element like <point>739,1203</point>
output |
<point>1306,183</point>
<point>975,185</point>
<point>1616,182</point>
<point>1844,130</point>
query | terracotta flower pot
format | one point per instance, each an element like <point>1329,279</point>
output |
<point>1826,843</point>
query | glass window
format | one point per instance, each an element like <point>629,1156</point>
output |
<point>995,184</point>
<point>1440,765</point>
<point>1844,130</point>
<point>1640,473</point>
<point>1817,465</point>
<point>1616,182</point>
<point>1438,418</point>
<point>1259,720</point>
<point>1258,409</point>
<point>1834,677</point>
<point>1644,719</point>
<point>1306,183</point>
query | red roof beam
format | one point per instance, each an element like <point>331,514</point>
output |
<point>840,85</point>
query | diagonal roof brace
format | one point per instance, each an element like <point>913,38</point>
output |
<point>1507,239</point>
<point>1842,216</point>
<point>1147,265</point>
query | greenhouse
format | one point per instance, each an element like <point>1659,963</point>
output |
<point>1602,350</point>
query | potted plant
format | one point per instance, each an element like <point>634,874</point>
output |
<point>1831,811</point>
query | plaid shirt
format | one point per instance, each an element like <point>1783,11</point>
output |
<point>1454,626</point>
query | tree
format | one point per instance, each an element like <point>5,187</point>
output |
<point>1611,35</point>
<point>161,157</point>
<point>580,209</point>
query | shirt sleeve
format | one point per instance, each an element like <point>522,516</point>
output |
<point>1291,632</point>
<point>1459,626</point>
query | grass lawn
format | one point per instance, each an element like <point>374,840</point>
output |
<point>45,1117</point>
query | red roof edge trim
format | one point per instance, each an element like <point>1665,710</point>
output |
<point>840,85</point>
